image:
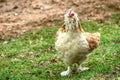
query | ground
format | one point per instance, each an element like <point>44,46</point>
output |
<point>32,56</point>
<point>19,16</point>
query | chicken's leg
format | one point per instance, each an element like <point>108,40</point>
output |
<point>67,72</point>
<point>80,68</point>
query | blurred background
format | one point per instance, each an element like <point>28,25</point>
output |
<point>19,16</point>
<point>28,28</point>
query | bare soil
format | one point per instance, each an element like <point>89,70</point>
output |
<point>19,16</point>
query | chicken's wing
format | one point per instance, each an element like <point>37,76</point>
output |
<point>93,40</point>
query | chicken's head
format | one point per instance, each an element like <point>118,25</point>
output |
<point>71,20</point>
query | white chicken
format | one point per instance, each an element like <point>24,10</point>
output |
<point>73,44</point>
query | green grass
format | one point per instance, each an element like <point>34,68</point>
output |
<point>31,57</point>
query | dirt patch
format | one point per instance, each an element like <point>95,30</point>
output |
<point>19,16</point>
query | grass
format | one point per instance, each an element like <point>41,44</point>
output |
<point>31,57</point>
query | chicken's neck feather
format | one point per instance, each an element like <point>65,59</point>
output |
<point>73,26</point>
<point>72,23</point>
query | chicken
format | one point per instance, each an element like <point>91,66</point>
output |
<point>73,43</point>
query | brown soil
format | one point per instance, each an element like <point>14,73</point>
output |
<point>19,16</point>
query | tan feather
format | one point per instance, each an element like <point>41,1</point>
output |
<point>60,30</point>
<point>93,40</point>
